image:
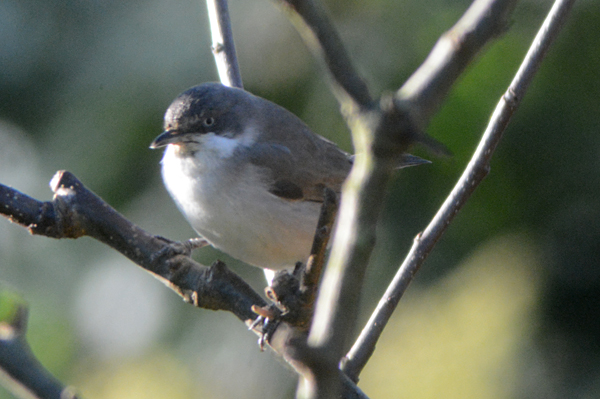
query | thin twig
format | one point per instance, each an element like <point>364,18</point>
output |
<point>312,273</point>
<point>311,20</point>
<point>430,83</point>
<point>476,170</point>
<point>27,377</point>
<point>223,47</point>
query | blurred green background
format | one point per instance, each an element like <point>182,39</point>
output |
<point>507,305</point>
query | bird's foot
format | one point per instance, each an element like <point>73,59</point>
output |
<point>270,317</point>
<point>174,248</point>
<point>287,305</point>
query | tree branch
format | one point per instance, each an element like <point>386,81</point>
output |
<point>223,47</point>
<point>27,376</point>
<point>454,51</point>
<point>76,212</point>
<point>311,20</point>
<point>475,172</point>
<point>381,131</point>
<point>309,280</point>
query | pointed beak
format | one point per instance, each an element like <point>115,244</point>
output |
<point>166,137</point>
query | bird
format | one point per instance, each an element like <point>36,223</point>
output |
<point>248,175</point>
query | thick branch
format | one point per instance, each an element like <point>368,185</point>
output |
<point>476,170</point>
<point>75,212</point>
<point>381,132</point>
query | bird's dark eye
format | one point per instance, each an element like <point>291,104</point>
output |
<point>208,121</point>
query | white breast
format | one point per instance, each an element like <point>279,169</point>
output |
<point>231,208</point>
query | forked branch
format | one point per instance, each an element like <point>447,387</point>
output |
<point>473,175</point>
<point>381,131</point>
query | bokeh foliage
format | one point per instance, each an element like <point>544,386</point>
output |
<point>506,306</point>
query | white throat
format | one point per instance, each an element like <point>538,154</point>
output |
<point>223,146</point>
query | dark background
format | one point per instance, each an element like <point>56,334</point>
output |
<point>507,305</point>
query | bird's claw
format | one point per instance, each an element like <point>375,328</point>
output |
<point>270,317</point>
<point>174,248</point>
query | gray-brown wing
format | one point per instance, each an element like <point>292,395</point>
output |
<point>300,174</point>
<point>299,161</point>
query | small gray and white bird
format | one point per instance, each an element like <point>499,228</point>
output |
<point>249,175</point>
